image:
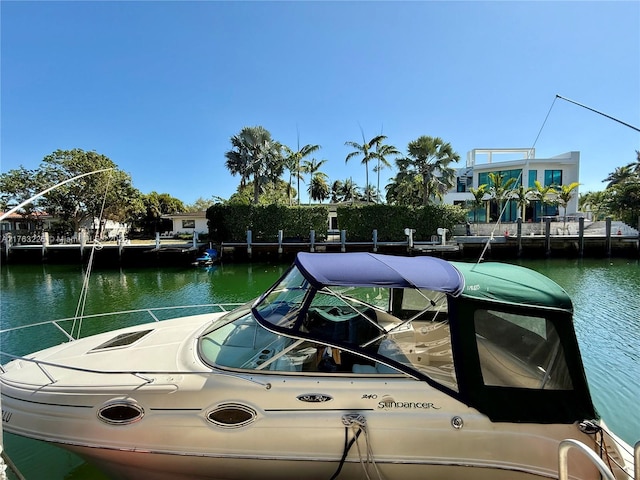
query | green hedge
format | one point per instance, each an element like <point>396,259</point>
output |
<point>229,223</point>
<point>390,221</point>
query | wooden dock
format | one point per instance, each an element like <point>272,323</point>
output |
<point>171,252</point>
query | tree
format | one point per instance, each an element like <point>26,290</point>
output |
<point>372,194</point>
<point>19,185</point>
<point>293,162</point>
<point>344,191</point>
<point>312,167</point>
<point>619,175</point>
<point>622,195</point>
<point>499,190</point>
<point>522,197</point>
<point>593,202</point>
<point>107,195</point>
<point>202,204</point>
<point>545,195</point>
<point>382,152</point>
<point>156,205</point>
<point>254,154</point>
<point>367,150</point>
<point>318,187</point>
<point>564,195</point>
<point>635,166</point>
<point>478,200</point>
<point>272,193</point>
<point>405,188</point>
<point>623,201</point>
<point>429,157</point>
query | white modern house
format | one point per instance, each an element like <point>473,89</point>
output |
<point>521,164</point>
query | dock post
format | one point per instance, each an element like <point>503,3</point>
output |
<point>409,233</point>
<point>157,240</point>
<point>249,243</point>
<point>547,235</point>
<point>375,240</point>
<point>608,235</point>
<point>120,245</point>
<point>343,241</point>
<point>195,240</point>
<point>45,244</point>
<point>519,230</point>
<point>83,242</point>
<point>280,242</point>
<point>312,238</point>
<point>8,238</point>
<point>581,236</point>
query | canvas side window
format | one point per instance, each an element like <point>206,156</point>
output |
<point>520,351</point>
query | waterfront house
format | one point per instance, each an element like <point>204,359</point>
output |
<point>522,165</point>
<point>187,223</point>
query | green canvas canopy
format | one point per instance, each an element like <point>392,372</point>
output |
<point>512,284</point>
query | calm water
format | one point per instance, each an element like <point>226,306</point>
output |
<point>606,296</point>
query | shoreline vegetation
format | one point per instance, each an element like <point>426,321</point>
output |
<point>413,197</point>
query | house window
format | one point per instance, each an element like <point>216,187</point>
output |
<point>552,177</point>
<point>188,224</point>
<point>533,176</point>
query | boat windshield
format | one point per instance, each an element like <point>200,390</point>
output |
<point>369,330</point>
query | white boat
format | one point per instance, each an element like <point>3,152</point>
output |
<point>353,365</point>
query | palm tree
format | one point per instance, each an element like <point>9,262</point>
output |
<point>372,194</point>
<point>294,161</point>
<point>595,202</point>
<point>478,200</point>
<point>255,154</point>
<point>565,194</point>
<point>544,195</point>
<point>312,167</point>
<point>336,191</point>
<point>383,151</point>
<point>430,157</point>
<point>500,191</point>
<point>522,197</point>
<point>344,191</point>
<point>366,149</point>
<point>619,175</point>
<point>635,166</point>
<point>318,187</point>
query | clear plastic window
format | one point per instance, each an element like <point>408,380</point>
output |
<point>282,304</point>
<point>520,351</point>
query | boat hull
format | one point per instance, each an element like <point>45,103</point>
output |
<point>290,439</point>
<point>134,465</point>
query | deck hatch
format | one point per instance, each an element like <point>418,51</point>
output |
<point>122,340</point>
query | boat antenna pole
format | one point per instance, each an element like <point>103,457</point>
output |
<point>38,195</point>
<point>596,111</point>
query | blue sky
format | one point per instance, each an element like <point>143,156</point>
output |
<point>160,87</point>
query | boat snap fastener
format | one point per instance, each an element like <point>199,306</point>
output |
<point>457,423</point>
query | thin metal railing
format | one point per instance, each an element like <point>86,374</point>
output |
<point>563,450</point>
<point>636,461</point>
<point>142,375</point>
<point>223,307</point>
